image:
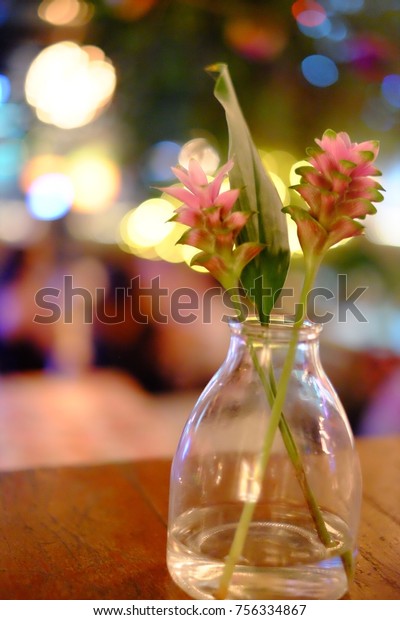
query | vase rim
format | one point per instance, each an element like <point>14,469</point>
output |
<point>280,327</point>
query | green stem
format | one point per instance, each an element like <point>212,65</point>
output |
<point>301,476</point>
<point>295,457</point>
<point>275,420</point>
<point>316,514</point>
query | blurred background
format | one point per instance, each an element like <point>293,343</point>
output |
<point>98,99</point>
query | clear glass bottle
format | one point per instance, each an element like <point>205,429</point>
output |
<point>305,502</point>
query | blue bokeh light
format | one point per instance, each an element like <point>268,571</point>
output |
<point>50,196</point>
<point>338,30</point>
<point>5,88</point>
<point>14,120</point>
<point>161,157</point>
<point>391,89</point>
<point>347,6</point>
<point>316,32</point>
<point>11,154</point>
<point>319,70</point>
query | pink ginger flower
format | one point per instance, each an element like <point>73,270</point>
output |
<point>213,224</point>
<point>338,189</point>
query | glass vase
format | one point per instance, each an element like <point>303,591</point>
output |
<point>259,511</point>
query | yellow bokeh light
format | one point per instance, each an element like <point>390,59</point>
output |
<point>280,187</point>
<point>148,224</point>
<point>294,178</point>
<point>96,181</point>
<point>189,252</point>
<point>294,243</point>
<point>268,161</point>
<point>168,249</point>
<point>147,253</point>
<point>147,233</point>
<point>68,85</point>
<point>278,162</point>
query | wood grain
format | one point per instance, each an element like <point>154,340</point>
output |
<point>378,569</point>
<point>99,532</point>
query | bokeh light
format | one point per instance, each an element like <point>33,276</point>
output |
<point>294,177</point>
<point>50,196</point>
<point>168,249</point>
<point>319,70</point>
<point>370,55</point>
<point>384,227</point>
<point>294,243</point>
<point>11,155</point>
<point>13,120</point>
<point>391,89</point>
<point>308,13</point>
<point>256,39</point>
<point>347,6</point>
<point>338,29</point>
<point>5,88</point>
<point>279,162</point>
<point>160,158</point>
<point>202,151</point>
<point>189,252</point>
<point>280,187</point>
<point>39,165</point>
<point>318,31</point>
<point>147,233</point>
<point>65,12</point>
<point>96,180</point>
<point>148,224</point>
<point>68,85</point>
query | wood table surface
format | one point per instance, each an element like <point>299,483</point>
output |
<point>99,532</point>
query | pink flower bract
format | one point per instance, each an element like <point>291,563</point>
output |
<point>213,223</point>
<point>338,189</point>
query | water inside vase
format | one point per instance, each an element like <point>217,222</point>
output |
<point>283,558</point>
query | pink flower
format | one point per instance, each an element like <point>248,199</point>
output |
<point>203,204</point>
<point>338,189</point>
<point>213,224</point>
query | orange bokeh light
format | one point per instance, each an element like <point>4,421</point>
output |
<point>40,165</point>
<point>255,39</point>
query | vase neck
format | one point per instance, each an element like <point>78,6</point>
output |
<point>280,329</point>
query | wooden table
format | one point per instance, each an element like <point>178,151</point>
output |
<point>99,532</point>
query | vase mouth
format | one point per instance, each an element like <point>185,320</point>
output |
<point>280,327</point>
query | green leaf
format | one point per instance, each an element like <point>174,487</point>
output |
<point>258,196</point>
